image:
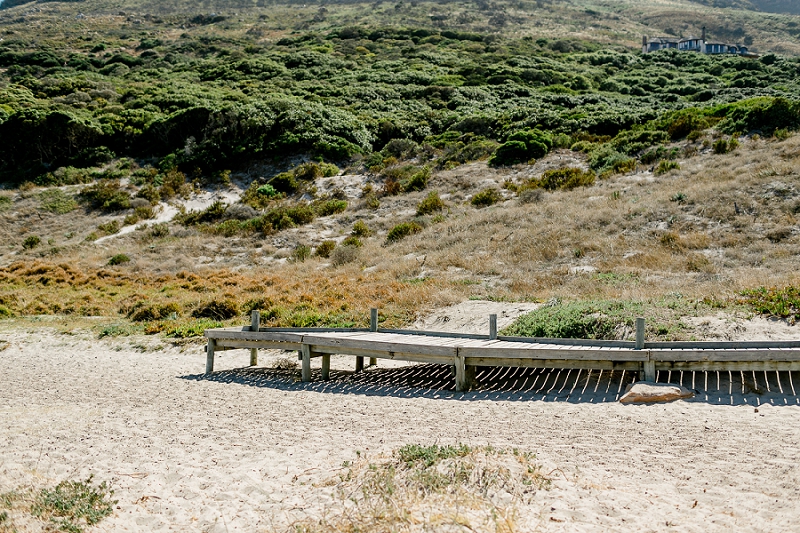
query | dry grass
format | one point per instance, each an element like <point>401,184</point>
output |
<point>431,488</point>
<point>716,226</point>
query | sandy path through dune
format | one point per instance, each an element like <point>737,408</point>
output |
<point>238,452</point>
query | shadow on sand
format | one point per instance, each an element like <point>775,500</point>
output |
<point>520,384</point>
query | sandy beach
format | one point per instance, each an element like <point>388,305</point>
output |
<point>242,449</point>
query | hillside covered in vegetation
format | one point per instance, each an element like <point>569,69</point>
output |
<point>355,147</point>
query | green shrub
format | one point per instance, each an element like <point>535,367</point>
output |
<point>402,230</point>
<point>330,207</point>
<point>430,204</point>
<point>285,182</point>
<point>486,197</point>
<point>300,253</point>
<point>31,242</point>
<point>779,302</point>
<point>418,181</point>
<point>119,259</point>
<point>107,194</point>
<point>724,146</point>
<point>159,230</point>
<point>213,213</point>
<point>665,166</point>
<point>352,240</point>
<point>148,312</point>
<point>109,228</point>
<point>5,203</point>
<point>217,309</point>
<point>361,229</point>
<point>566,178</point>
<point>267,190</point>
<point>73,505</point>
<point>579,320</point>
<point>325,248</point>
<point>57,201</point>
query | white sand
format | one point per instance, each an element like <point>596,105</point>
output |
<point>238,451</point>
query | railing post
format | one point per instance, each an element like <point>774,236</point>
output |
<point>648,372</point>
<point>255,324</point>
<point>373,326</point>
<point>492,327</point>
<point>210,355</point>
<point>639,333</point>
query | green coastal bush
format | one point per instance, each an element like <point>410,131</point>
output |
<point>402,230</point>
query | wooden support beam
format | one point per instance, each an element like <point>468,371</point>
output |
<point>648,371</point>
<point>492,327</point>
<point>210,356</point>
<point>359,363</point>
<point>326,367</point>
<point>461,374</point>
<point>255,324</point>
<point>305,375</point>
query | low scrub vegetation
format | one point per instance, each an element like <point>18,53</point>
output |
<point>70,506</point>
<point>443,487</point>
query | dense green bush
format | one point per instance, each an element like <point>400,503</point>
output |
<point>522,146</point>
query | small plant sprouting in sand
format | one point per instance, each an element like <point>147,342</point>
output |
<point>442,487</point>
<point>70,506</point>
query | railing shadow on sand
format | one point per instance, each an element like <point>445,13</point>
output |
<point>522,384</point>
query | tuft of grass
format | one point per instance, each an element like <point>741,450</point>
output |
<point>5,203</point>
<point>444,487</point>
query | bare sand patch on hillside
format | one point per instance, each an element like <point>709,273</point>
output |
<point>241,450</point>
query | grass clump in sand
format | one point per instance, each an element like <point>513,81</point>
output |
<point>70,506</point>
<point>432,488</point>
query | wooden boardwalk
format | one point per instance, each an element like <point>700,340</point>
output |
<point>467,352</point>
